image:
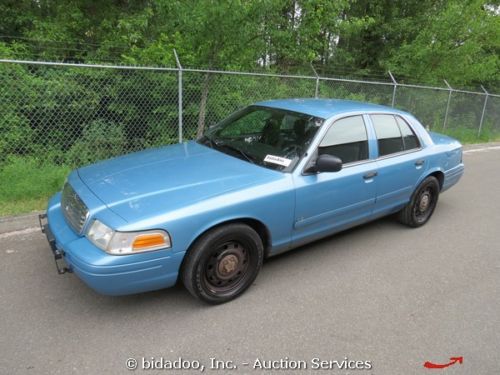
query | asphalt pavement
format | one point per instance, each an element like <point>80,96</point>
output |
<point>389,296</point>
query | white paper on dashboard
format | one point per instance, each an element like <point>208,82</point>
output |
<point>277,160</point>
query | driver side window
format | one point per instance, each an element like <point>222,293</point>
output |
<point>346,139</point>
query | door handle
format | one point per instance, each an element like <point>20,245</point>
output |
<point>369,175</point>
<point>420,162</point>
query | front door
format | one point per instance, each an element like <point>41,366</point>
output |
<point>328,202</point>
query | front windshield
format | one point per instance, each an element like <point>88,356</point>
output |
<point>270,137</point>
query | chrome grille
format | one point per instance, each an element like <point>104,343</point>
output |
<point>74,210</point>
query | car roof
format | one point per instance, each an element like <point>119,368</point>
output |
<point>325,108</point>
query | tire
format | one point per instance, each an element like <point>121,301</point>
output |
<point>223,263</point>
<point>422,204</point>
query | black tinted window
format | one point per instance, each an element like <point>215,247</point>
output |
<point>389,137</point>
<point>410,140</point>
<point>346,139</point>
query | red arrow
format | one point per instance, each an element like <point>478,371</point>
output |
<point>452,359</point>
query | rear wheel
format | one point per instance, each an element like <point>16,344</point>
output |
<point>422,204</point>
<point>223,263</point>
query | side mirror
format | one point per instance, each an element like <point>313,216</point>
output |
<point>328,163</point>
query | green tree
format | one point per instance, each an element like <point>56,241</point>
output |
<point>460,42</point>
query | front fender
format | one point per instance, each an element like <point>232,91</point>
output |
<point>271,204</point>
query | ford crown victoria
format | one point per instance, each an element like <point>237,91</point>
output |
<point>269,178</point>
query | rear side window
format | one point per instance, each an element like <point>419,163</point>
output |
<point>389,136</point>
<point>346,139</point>
<point>410,140</point>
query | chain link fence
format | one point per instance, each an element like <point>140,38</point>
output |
<point>77,114</point>
<point>57,116</point>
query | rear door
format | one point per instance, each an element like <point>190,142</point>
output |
<point>400,162</point>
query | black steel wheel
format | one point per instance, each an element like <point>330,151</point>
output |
<point>422,204</point>
<point>223,263</point>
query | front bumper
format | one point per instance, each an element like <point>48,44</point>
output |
<point>105,273</point>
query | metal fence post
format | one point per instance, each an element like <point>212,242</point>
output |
<point>484,110</point>
<point>395,83</point>
<point>447,104</point>
<point>316,90</point>
<point>179,66</point>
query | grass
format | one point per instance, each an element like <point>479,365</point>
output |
<point>468,136</point>
<point>27,183</point>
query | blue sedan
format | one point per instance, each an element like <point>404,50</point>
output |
<point>269,178</point>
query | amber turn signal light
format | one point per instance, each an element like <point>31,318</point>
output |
<point>146,241</point>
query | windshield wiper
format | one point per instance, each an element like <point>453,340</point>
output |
<point>218,145</point>
<point>248,157</point>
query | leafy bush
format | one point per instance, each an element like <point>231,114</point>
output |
<point>99,140</point>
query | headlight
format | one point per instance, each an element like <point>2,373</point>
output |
<point>121,243</point>
<point>100,234</point>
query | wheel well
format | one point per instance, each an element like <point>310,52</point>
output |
<point>440,177</point>
<point>256,225</point>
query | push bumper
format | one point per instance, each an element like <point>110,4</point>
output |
<point>58,254</point>
<point>106,274</point>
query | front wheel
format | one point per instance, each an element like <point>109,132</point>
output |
<point>223,263</point>
<point>422,204</point>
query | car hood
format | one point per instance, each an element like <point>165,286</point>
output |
<point>151,182</point>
